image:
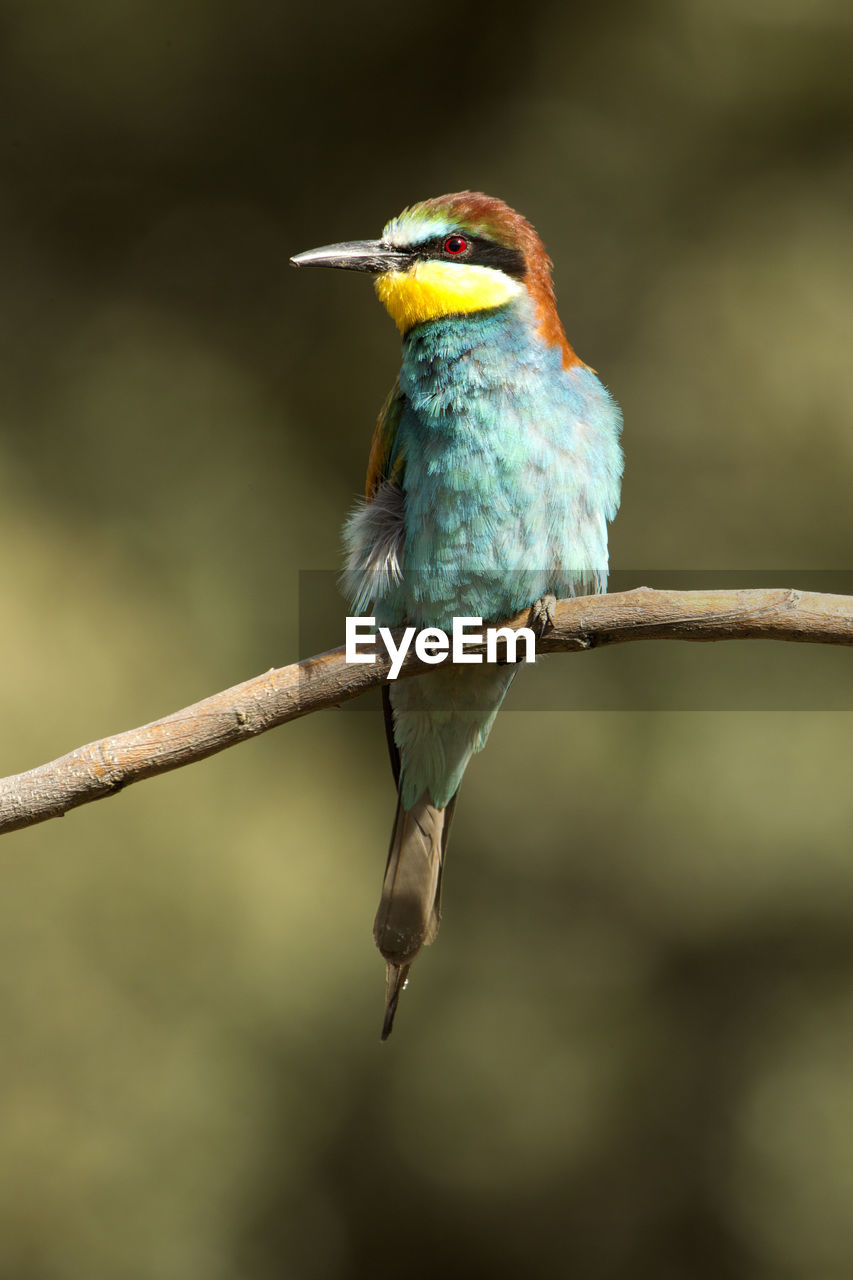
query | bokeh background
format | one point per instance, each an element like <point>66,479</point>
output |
<point>631,1052</point>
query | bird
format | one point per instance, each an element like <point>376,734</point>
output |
<point>494,469</point>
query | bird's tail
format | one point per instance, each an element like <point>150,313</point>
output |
<point>410,907</point>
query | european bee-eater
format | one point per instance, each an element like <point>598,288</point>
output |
<point>494,468</point>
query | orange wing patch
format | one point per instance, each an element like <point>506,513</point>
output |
<point>382,444</point>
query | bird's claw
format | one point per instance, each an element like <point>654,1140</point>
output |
<point>541,619</point>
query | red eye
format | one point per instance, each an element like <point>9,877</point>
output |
<point>455,244</point>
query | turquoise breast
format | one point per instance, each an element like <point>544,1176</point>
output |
<point>511,470</point>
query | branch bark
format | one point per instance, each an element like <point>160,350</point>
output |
<point>104,767</point>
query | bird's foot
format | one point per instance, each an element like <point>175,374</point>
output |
<point>541,619</point>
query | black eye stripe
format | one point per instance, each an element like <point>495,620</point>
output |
<point>480,252</point>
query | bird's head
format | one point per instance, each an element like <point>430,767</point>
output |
<point>453,255</point>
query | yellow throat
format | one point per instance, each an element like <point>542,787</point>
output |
<point>431,289</point>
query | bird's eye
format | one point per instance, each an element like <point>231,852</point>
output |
<point>455,245</point>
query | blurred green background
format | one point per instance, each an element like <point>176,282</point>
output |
<point>631,1051</point>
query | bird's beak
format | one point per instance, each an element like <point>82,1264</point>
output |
<point>354,255</point>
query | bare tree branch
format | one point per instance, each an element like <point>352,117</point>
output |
<point>102,768</point>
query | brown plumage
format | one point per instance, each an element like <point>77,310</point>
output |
<point>410,906</point>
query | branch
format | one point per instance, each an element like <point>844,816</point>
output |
<point>103,768</point>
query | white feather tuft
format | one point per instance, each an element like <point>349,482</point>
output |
<point>373,538</point>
